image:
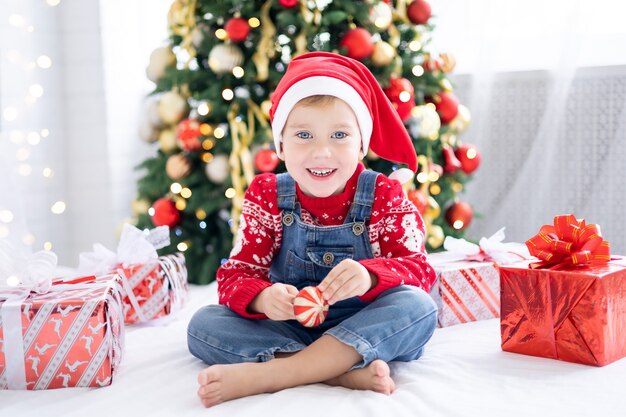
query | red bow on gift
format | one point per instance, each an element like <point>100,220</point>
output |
<point>569,242</point>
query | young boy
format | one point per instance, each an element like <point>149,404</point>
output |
<point>330,223</point>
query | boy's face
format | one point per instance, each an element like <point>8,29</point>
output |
<point>321,147</point>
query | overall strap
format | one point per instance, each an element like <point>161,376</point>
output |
<point>286,192</point>
<point>361,208</point>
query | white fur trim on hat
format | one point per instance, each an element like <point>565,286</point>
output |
<point>328,86</point>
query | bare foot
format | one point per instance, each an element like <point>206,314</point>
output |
<point>219,383</point>
<point>374,377</point>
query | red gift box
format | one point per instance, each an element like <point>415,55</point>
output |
<point>570,306</point>
<point>71,336</point>
<point>154,289</point>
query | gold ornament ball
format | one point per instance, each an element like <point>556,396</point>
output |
<point>462,119</point>
<point>160,59</point>
<point>448,62</point>
<point>218,169</point>
<point>224,57</point>
<point>383,54</point>
<point>428,121</point>
<point>435,236</point>
<point>172,107</point>
<point>167,140</point>
<point>139,206</point>
<point>177,166</point>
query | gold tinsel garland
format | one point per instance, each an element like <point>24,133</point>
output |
<point>240,160</point>
<point>265,49</point>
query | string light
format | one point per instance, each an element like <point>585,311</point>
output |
<point>253,22</point>
<point>182,246</point>
<point>228,94</point>
<point>238,72</point>
<point>13,281</point>
<point>58,207</point>
<point>6,216</point>
<point>176,188</point>
<point>10,114</point>
<point>422,177</point>
<point>219,133</point>
<point>203,109</point>
<point>230,193</point>
<point>221,34</point>
<point>418,70</point>
<point>36,90</point>
<point>44,61</point>
<point>53,2</point>
<point>458,224</point>
<point>415,45</point>
<point>185,192</point>
<point>33,138</point>
<point>47,172</point>
<point>47,246</point>
<point>206,129</point>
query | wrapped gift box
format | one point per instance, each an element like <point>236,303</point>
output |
<point>71,336</point>
<point>154,289</point>
<point>575,314</point>
<point>465,291</point>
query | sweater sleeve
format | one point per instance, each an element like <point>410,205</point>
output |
<point>397,237</point>
<point>246,272</point>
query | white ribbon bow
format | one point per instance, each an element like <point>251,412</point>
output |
<point>20,274</point>
<point>493,248</point>
<point>135,247</point>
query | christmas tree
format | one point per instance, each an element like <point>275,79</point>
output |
<point>209,111</point>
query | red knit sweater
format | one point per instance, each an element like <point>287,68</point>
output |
<point>396,233</point>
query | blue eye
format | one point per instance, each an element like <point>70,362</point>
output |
<point>304,135</point>
<point>340,135</point>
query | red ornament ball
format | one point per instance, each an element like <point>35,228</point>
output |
<point>459,215</point>
<point>266,160</point>
<point>419,199</point>
<point>419,12</point>
<point>165,213</point>
<point>402,96</point>
<point>447,105</point>
<point>358,43</point>
<point>237,29</point>
<point>187,134</point>
<point>469,157</point>
<point>288,3</point>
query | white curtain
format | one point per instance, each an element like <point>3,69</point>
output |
<point>71,84</point>
<point>546,85</point>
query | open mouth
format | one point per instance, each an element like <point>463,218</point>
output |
<point>321,172</point>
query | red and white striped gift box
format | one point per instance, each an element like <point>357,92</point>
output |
<point>154,289</point>
<point>466,291</point>
<point>70,336</point>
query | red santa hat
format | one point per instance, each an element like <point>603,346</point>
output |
<point>323,73</point>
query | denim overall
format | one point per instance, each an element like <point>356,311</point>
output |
<point>395,326</point>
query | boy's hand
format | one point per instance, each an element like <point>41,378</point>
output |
<point>276,302</point>
<point>348,279</point>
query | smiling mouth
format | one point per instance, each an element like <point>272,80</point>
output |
<point>321,172</point>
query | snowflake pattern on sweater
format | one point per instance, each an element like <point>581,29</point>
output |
<point>396,234</point>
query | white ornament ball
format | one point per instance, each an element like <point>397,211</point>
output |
<point>160,59</point>
<point>224,57</point>
<point>381,15</point>
<point>147,131</point>
<point>427,120</point>
<point>218,169</point>
<point>172,108</point>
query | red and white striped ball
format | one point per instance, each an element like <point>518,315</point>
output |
<point>310,307</point>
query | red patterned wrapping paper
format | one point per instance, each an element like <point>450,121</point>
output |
<point>466,291</point>
<point>154,289</point>
<point>71,338</point>
<point>576,314</point>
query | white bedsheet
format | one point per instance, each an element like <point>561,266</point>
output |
<point>463,373</point>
